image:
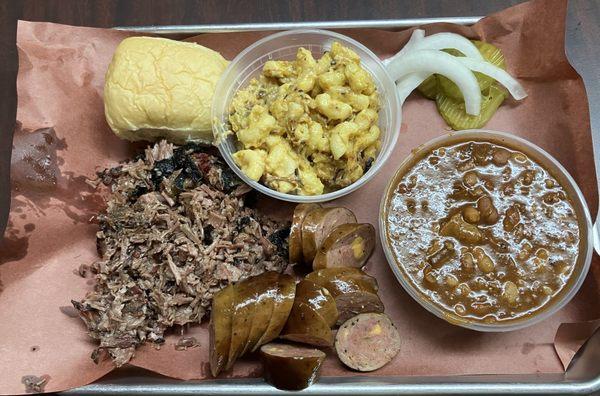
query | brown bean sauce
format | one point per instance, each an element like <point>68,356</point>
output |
<point>483,231</point>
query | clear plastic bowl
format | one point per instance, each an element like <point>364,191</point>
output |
<point>550,164</point>
<point>283,46</point>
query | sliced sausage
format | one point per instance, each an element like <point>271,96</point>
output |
<point>306,326</point>
<point>265,303</point>
<point>354,303</point>
<point>367,342</point>
<point>220,329</point>
<point>353,290</point>
<point>286,291</point>
<point>291,367</point>
<point>242,319</point>
<point>318,224</point>
<point>340,280</point>
<point>348,245</point>
<point>246,294</point>
<point>319,299</point>
<point>295,239</point>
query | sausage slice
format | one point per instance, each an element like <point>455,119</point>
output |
<point>319,299</point>
<point>242,319</point>
<point>265,303</point>
<point>306,326</point>
<point>354,291</point>
<point>318,224</point>
<point>295,239</point>
<point>354,303</point>
<point>246,294</point>
<point>286,291</point>
<point>348,245</point>
<point>220,329</point>
<point>367,342</point>
<point>291,367</point>
<point>340,280</point>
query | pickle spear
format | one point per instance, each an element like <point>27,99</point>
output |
<point>453,111</point>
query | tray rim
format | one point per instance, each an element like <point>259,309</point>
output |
<point>544,384</point>
<point>346,386</point>
<point>346,24</point>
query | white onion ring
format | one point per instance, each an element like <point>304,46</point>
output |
<point>438,62</point>
<point>514,87</point>
<point>417,35</point>
<point>442,41</point>
<point>414,40</point>
<point>409,83</point>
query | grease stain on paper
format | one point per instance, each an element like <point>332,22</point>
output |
<point>527,348</point>
<point>38,184</point>
<point>13,246</point>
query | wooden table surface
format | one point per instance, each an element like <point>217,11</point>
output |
<point>583,20</point>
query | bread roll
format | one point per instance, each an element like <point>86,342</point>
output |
<point>159,88</point>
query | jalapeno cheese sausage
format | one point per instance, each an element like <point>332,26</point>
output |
<point>318,224</point>
<point>291,367</point>
<point>319,299</point>
<point>220,329</point>
<point>354,303</point>
<point>247,297</point>
<point>306,326</point>
<point>367,342</point>
<point>264,305</point>
<point>243,311</point>
<point>286,291</point>
<point>354,291</point>
<point>348,245</point>
<point>340,280</point>
<point>295,239</point>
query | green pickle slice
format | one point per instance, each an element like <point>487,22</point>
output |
<point>490,53</point>
<point>429,88</point>
<point>453,111</point>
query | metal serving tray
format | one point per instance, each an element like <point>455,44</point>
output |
<point>582,377</point>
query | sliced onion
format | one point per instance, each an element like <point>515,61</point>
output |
<point>514,87</point>
<point>416,36</point>
<point>442,41</point>
<point>409,83</point>
<point>438,62</point>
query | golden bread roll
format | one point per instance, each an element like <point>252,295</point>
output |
<point>159,88</point>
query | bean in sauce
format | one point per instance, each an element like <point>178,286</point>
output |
<point>495,236</point>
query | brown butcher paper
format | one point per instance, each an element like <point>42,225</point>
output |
<point>49,235</point>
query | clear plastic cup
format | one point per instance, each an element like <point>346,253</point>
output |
<point>283,46</point>
<point>547,162</point>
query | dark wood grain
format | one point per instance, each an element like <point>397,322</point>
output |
<point>102,13</point>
